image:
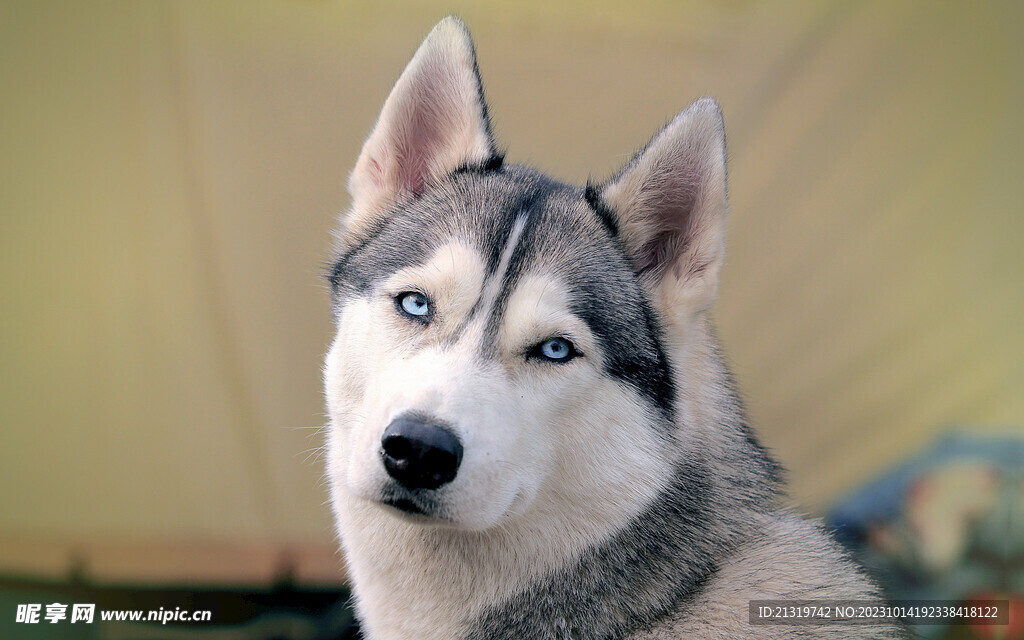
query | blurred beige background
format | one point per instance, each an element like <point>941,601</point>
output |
<point>171,171</point>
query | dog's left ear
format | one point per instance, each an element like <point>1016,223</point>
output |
<point>433,122</point>
<point>669,204</point>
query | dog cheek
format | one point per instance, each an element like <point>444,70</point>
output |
<point>490,496</point>
<point>532,451</point>
<point>351,354</point>
<point>502,448</point>
<point>562,408</point>
<point>353,438</point>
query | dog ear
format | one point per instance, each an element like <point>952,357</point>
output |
<point>433,122</point>
<point>669,205</point>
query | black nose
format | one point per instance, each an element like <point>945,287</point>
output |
<point>420,454</point>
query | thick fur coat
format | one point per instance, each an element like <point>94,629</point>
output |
<point>600,479</point>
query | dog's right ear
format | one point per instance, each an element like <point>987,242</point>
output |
<point>434,121</point>
<point>669,206</point>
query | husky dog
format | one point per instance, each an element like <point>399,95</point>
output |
<point>532,432</point>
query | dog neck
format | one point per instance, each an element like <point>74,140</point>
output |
<point>628,582</point>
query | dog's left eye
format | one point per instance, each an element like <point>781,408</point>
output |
<point>555,350</point>
<point>414,304</point>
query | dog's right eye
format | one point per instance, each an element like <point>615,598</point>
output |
<point>414,305</point>
<point>557,350</point>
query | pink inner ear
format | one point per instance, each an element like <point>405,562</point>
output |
<point>671,213</point>
<point>421,141</point>
<point>422,132</point>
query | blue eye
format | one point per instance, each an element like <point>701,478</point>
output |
<point>414,304</point>
<point>556,350</point>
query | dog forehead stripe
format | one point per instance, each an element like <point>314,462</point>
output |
<point>492,288</point>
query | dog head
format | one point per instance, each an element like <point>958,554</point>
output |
<point>504,340</point>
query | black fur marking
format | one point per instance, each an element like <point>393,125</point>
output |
<point>504,232</point>
<point>592,195</point>
<point>494,162</point>
<point>633,349</point>
<point>500,235</point>
<point>530,205</point>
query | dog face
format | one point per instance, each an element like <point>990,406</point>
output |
<point>501,345</point>
<point>497,307</point>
